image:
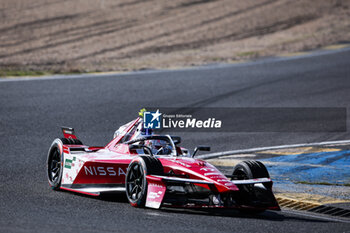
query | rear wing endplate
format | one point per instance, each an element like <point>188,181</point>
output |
<point>68,132</point>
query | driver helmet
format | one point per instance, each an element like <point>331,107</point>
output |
<point>157,145</point>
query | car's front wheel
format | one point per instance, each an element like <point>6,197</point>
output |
<point>136,182</point>
<point>249,170</point>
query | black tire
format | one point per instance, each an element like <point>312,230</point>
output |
<point>135,181</point>
<point>249,170</point>
<point>71,141</point>
<point>55,164</point>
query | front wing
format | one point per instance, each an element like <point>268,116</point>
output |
<point>158,185</point>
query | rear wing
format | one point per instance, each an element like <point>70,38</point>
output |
<point>68,132</point>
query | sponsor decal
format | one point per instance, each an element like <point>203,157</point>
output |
<point>207,169</point>
<point>156,185</point>
<point>183,164</point>
<point>103,171</point>
<point>68,163</point>
<point>211,173</point>
<point>153,195</point>
<point>68,131</point>
<point>221,180</point>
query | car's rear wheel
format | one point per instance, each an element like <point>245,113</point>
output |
<point>71,141</point>
<point>249,170</point>
<point>54,164</point>
<point>136,182</point>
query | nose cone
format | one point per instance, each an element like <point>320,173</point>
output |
<point>203,170</point>
<point>220,180</point>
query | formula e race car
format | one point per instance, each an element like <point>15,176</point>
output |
<point>155,172</point>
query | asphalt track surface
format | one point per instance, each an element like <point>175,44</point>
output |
<point>32,111</point>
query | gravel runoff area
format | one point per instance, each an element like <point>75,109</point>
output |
<point>122,35</point>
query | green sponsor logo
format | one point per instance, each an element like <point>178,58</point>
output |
<point>68,163</point>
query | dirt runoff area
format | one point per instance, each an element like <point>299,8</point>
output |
<point>123,35</point>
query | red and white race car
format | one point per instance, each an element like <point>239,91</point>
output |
<point>155,171</point>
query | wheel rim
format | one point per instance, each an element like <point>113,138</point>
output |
<point>55,165</point>
<point>242,175</point>
<point>135,182</point>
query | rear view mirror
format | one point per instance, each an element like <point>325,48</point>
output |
<point>202,148</point>
<point>176,139</point>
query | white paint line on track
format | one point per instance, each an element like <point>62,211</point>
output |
<point>232,152</point>
<point>312,215</point>
<point>196,68</point>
